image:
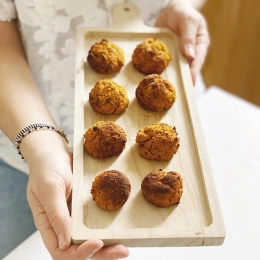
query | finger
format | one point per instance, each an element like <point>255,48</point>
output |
<point>79,252</point>
<point>188,28</point>
<point>160,22</point>
<point>111,253</point>
<point>202,43</point>
<point>87,249</point>
<point>196,64</point>
<point>92,249</point>
<point>54,203</point>
<point>41,221</point>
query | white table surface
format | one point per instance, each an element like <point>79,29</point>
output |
<point>231,128</point>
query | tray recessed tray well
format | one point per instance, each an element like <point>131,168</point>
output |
<point>197,219</point>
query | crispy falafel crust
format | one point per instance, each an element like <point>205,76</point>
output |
<point>151,56</point>
<point>105,139</point>
<point>111,189</point>
<point>158,141</point>
<point>107,97</point>
<point>155,93</point>
<point>162,188</point>
<point>106,57</point>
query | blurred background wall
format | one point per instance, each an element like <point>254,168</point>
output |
<point>233,60</point>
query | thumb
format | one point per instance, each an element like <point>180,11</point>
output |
<point>58,216</point>
<point>188,34</point>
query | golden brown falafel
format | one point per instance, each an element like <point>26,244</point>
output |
<point>107,97</point>
<point>106,57</point>
<point>111,189</point>
<point>151,56</point>
<point>162,188</point>
<point>158,141</point>
<point>155,93</point>
<point>105,139</point>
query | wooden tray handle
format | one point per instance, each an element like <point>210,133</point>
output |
<point>126,17</point>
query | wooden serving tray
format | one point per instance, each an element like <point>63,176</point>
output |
<point>197,220</point>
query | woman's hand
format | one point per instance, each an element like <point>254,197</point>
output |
<point>49,160</point>
<point>189,24</point>
<point>49,193</point>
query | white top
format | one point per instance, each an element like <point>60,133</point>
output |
<point>48,31</point>
<point>231,131</point>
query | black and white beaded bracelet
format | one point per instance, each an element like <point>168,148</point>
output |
<point>35,127</point>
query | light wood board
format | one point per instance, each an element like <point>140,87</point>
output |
<point>197,220</point>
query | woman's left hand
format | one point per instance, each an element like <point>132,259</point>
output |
<point>189,24</point>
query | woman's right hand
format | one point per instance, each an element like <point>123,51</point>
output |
<point>49,193</point>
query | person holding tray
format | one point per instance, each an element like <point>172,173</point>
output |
<point>37,52</point>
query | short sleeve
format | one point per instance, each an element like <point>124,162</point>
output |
<point>7,10</point>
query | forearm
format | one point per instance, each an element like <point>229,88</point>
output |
<point>21,103</point>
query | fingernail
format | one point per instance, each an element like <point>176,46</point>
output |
<point>61,240</point>
<point>190,51</point>
<point>94,251</point>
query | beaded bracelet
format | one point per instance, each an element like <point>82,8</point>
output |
<point>35,127</point>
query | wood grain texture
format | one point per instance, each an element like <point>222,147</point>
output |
<point>197,219</point>
<point>233,59</point>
